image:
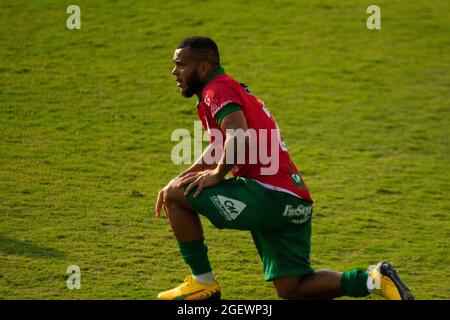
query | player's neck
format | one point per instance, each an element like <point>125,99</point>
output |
<point>199,94</point>
<point>213,70</point>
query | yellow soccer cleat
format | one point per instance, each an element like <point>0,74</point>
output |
<point>190,289</point>
<point>387,282</point>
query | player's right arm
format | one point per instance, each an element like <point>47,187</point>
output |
<point>199,165</point>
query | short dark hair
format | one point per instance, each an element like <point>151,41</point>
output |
<point>204,46</point>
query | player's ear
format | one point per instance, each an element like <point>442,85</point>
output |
<point>203,69</point>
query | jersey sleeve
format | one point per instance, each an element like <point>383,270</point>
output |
<point>226,110</point>
<point>222,99</point>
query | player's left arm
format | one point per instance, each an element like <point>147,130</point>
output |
<point>229,124</point>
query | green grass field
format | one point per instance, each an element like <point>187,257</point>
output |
<point>86,118</point>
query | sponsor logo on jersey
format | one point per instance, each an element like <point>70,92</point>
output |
<point>215,108</point>
<point>230,208</point>
<point>296,178</point>
<point>207,100</point>
<point>301,213</point>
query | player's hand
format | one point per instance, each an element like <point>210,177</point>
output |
<point>160,203</point>
<point>200,179</point>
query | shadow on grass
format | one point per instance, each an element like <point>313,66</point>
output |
<point>26,248</point>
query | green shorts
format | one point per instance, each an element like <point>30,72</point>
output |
<point>280,223</point>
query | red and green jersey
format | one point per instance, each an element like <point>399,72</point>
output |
<point>223,95</point>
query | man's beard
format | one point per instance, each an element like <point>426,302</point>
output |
<point>193,85</point>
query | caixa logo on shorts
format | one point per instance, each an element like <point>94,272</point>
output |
<point>230,208</point>
<point>301,214</point>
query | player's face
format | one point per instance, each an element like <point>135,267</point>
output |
<point>186,72</point>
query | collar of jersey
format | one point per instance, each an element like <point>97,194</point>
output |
<point>214,74</point>
<point>211,77</point>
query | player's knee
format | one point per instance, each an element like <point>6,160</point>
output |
<point>292,289</point>
<point>283,294</point>
<point>286,293</point>
<point>173,195</point>
<point>291,293</point>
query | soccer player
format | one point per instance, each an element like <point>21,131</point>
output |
<point>273,204</point>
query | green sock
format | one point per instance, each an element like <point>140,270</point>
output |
<point>354,283</point>
<point>195,254</point>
